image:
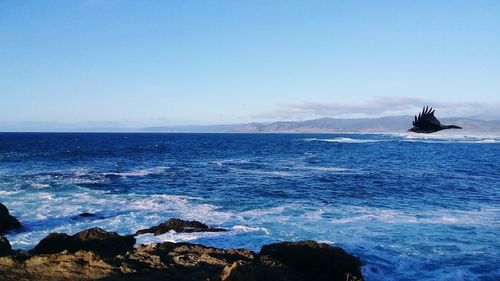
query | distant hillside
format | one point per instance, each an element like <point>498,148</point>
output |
<point>388,124</point>
<point>474,125</point>
<point>365,125</point>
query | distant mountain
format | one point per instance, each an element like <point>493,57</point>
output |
<point>387,124</point>
<point>475,125</point>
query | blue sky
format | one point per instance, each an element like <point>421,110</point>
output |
<point>210,62</point>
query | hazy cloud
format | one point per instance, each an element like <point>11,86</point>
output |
<point>381,106</point>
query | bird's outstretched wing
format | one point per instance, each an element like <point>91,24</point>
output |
<point>426,119</point>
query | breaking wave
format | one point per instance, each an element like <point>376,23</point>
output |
<point>345,140</point>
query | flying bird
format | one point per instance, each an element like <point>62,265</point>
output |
<point>427,123</point>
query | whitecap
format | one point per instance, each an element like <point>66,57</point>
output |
<point>220,163</point>
<point>44,212</point>
<point>143,172</point>
<point>260,172</point>
<point>246,228</point>
<point>8,193</point>
<point>443,137</point>
<point>328,169</point>
<point>40,185</point>
<point>487,141</point>
<point>484,217</point>
<point>345,140</point>
<point>174,237</point>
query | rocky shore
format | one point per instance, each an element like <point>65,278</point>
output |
<point>96,254</point>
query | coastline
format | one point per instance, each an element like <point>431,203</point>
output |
<point>96,254</point>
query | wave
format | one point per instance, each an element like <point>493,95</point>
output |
<point>445,217</point>
<point>345,140</point>
<point>246,228</point>
<point>175,237</point>
<point>446,138</point>
<point>40,185</point>
<point>263,173</point>
<point>328,169</point>
<point>79,177</point>
<point>453,141</point>
<point>364,230</point>
<point>221,163</point>
<point>123,213</point>
<point>140,172</point>
<point>8,193</point>
<point>394,244</point>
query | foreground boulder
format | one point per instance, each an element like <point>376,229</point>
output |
<point>7,222</point>
<point>314,260</point>
<point>94,239</point>
<point>297,261</point>
<point>178,226</point>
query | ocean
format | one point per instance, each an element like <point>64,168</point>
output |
<point>411,207</point>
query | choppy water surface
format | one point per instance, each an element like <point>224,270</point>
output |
<point>412,207</point>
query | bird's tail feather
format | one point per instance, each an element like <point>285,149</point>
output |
<point>452,127</point>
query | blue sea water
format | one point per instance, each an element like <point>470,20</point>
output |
<point>411,207</point>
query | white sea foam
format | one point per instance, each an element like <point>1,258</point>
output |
<point>450,138</point>
<point>345,140</point>
<point>230,161</point>
<point>173,236</point>
<point>328,169</point>
<point>261,172</point>
<point>8,193</point>
<point>44,212</point>
<point>246,228</point>
<point>40,185</point>
<point>143,172</point>
<point>483,217</point>
<point>365,227</point>
<point>488,141</point>
<point>86,176</point>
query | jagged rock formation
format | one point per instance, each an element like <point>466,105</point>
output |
<point>317,260</point>
<point>178,226</point>
<point>291,261</point>
<point>7,222</point>
<point>93,239</point>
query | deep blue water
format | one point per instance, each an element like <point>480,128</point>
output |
<point>412,208</point>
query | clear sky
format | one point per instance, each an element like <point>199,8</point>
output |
<point>211,62</point>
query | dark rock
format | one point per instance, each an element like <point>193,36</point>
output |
<point>178,225</point>
<point>86,215</point>
<point>99,240</point>
<point>7,222</point>
<point>316,261</point>
<point>5,248</point>
<point>55,243</point>
<point>93,239</point>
